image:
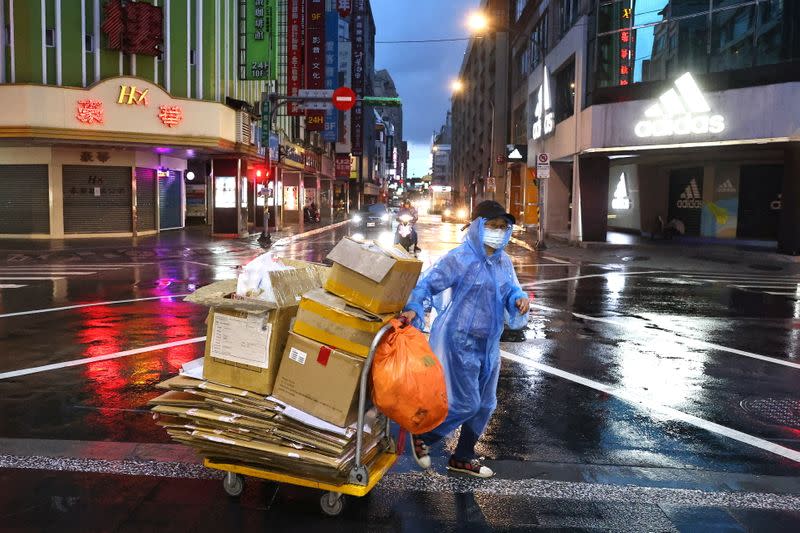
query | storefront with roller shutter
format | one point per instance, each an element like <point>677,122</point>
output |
<point>146,204</point>
<point>97,199</point>
<point>96,164</point>
<point>24,200</point>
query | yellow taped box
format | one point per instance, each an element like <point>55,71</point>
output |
<point>375,278</point>
<point>326,318</point>
<point>319,380</point>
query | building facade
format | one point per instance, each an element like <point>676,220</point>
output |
<point>103,140</point>
<point>99,142</point>
<point>441,161</point>
<point>663,110</point>
<point>480,111</point>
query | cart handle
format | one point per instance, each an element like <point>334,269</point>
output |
<point>362,393</point>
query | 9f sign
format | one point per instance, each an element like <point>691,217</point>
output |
<point>132,96</point>
<point>680,112</point>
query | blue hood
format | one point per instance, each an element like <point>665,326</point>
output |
<point>474,239</point>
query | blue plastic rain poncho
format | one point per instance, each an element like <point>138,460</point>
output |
<point>466,332</point>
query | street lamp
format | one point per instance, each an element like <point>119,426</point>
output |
<point>457,86</point>
<point>477,22</point>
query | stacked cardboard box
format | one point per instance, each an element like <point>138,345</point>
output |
<point>234,425</point>
<point>334,328</point>
<point>312,368</point>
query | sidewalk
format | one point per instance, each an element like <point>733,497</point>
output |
<point>672,255</point>
<point>187,243</point>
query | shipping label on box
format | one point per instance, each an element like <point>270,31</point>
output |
<point>243,340</point>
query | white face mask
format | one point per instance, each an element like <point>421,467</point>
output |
<point>494,238</point>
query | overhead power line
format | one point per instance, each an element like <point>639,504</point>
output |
<point>411,41</point>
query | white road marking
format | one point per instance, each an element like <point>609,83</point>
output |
<point>556,259</point>
<point>673,414</point>
<point>628,324</point>
<point>45,273</point>
<point>89,360</point>
<point>769,286</point>
<point>11,286</point>
<point>30,279</point>
<point>796,294</point>
<point>96,304</point>
<point>603,275</point>
<point>426,482</point>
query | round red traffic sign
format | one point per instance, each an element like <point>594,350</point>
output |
<point>344,98</point>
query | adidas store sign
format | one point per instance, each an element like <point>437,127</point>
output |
<point>691,197</point>
<point>680,111</point>
<point>545,121</point>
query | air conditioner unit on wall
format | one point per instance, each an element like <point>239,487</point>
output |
<point>244,132</point>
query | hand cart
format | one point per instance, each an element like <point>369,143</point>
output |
<point>361,480</point>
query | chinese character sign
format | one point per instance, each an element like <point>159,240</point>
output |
<point>260,51</point>
<point>170,115</point>
<point>330,133</point>
<point>315,58</point>
<point>357,37</point>
<point>294,46</point>
<point>90,112</point>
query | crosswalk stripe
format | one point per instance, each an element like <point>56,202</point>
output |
<point>30,279</point>
<point>48,273</point>
<point>11,286</point>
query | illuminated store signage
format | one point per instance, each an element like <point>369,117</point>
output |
<point>545,118</point>
<point>621,200</point>
<point>680,112</point>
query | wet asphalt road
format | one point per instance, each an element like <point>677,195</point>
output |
<point>667,379</point>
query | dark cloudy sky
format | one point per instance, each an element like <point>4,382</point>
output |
<point>422,72</point>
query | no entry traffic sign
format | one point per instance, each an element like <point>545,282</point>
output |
<point>344,98</point>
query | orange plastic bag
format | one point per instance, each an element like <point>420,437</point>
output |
<point>408,383</point>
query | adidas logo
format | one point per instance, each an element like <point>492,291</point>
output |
<point>691,197</point>
<point>727,186</point>
<point>621,200</point>
<point>680,111</point>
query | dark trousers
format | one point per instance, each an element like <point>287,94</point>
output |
<point>465,449</point>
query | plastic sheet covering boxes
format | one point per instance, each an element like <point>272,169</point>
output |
<point>246,336</point>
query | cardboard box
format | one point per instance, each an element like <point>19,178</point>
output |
<point>244,349</point>
<point>375,278</point>
<point>326,318</point>
<point>319,380</point>
<point>246,337</point>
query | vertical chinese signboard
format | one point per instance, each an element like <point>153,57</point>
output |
<point>315,58</point>
<point>626,48</point>
<point>294,48</point>
<point>330,133</point>
<point>358,35</point>
<point>258,50</point>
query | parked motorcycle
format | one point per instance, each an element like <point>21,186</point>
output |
<point>406,235</point>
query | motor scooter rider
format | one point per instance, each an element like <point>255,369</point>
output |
<point>408,209</point>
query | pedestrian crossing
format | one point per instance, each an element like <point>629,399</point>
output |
<point>18,276</point>
<point>771,284</point>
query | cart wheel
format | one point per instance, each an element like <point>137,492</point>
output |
<point>233,484</point>
<point>332,503</point>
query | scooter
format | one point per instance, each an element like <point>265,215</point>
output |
<point>406,235</point>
